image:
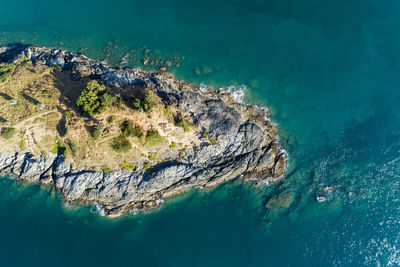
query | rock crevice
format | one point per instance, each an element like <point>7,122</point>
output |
<point>248,145</point>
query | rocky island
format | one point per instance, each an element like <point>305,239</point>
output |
<point>123,138</point>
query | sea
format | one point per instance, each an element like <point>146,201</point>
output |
<point>328,70</point>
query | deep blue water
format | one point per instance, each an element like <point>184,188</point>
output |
<point>328,69</point>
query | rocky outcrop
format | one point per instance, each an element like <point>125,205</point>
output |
<point>247,147</point>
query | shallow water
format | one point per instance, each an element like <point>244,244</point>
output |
<point>329,72</point>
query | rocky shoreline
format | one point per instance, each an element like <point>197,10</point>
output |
<point>248,145</point>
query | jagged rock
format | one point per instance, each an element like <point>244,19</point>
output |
<point>246,143</point>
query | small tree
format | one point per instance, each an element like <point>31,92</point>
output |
<point>108,100</point>
<point>89,100</point>
<point>68,115</point>
<point>149,101</point>
<point>137,105</point>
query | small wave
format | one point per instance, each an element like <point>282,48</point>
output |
<point>204,88</point>
<point>160,201</point>
<point>237,93</point>
<point>97,208</point>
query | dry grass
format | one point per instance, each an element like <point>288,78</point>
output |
<point>34,99</point>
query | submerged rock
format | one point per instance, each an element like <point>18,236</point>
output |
<point>246,144</point>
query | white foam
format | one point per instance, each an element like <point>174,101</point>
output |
<point>237,93</point>
<point>97,208</point>
<point>160,201</point>
<point>203,87</point>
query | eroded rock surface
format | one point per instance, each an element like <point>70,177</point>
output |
<point>247,146</point>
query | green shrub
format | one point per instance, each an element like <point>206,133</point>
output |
<point>106,170</point>
<point>137,105</point>
<point>89,100</point>
<point>182,151</point>
<point>205,134</point>
<point>195,148</point>
<point>213,141</point>
<point>184,125</point>
<point>128,129</point>
<point>108,100</point>
<point>72,146</point>
<point>60,149</point>
<point>5,71</point>
<point>153,138</point>
<point>68,115</point>
<point>7,133</point>
<point>173,145</point>
<point>22,145</point>
<point>121,144</point>
<point>146,165</point>
<point>146,104</point>
<point>96,133</point>
<point>149,101</point>
<point>111,119</point>
<point>127,166</point>
<point>153,156</point>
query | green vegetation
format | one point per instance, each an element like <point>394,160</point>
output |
<point>111,119</point>
<point>60,149</point>
<point>108,100</point>
<point>145,104</point>
<point>195,148</point>
<point>213,141</point>
<point>127,166</point>
<point>173,145</point>
<point>72,146</point>
<point>5,71</point>
<point>153,138</point>
<point>7,133</point>
<point>53,68</point>
<point>184,125</point>
<point>97,131</point>
<point>137,104</point>
<point>143,155</point>
<point>22,145</point>
<point>146,166</point>
<point>68,115</point>
<point>205,134</point>
<point>153,156</point>
<point>182,151</point>
<point>130,130</point>
<point>90,100</point>
<point>106,170</point>
<point>121,144</point>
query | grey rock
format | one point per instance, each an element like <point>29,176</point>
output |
<point>248,146</point>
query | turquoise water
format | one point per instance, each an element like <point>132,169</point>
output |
<point>328,70</point>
